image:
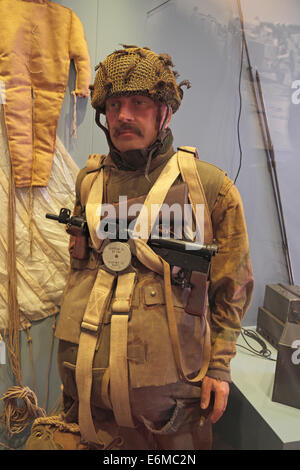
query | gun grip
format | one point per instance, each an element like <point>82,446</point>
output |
<point>197,300</point>
<point>78,246</point>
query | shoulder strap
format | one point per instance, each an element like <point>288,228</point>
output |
<point>212,179</point>
<point>92,166</point>
<point>156,197</point>
<point>187,164</point>
<point>183,162</point>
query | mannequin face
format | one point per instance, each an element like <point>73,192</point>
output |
<point>133,121</point>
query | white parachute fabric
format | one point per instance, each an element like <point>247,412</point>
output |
<point>42,257</point>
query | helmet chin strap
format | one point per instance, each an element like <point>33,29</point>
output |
<point>162,134</point>
<point>132,160</point>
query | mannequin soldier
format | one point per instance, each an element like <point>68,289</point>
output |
<point>141,372</point>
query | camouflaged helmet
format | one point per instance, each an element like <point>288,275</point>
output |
<point>135,70</point>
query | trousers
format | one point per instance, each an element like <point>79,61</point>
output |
<point>191,436</point>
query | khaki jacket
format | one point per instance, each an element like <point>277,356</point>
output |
<point>231,283</point>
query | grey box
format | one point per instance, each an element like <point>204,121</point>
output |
<point>283,301</point>
<point>269,326</point>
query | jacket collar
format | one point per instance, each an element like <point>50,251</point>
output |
<point>160,159</point>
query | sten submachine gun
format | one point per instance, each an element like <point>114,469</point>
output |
<point>190,262</point>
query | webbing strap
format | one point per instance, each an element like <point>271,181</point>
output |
<point>148,216</point>
<point>93,165</point>
<point>105,389</point>
<point>93,207</point>
<point>174,333</point>
<point>118,361</point>
<point>90,325</point>
<point>185,163</point>
<point>190,175</point>
<point>155,198</point>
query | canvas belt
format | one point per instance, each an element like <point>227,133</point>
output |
<point>90,327</point>
<point>118,363</point>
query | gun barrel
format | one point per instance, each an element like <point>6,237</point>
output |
<point>184,246</point>
<point>64,218</point>
<point>52,216</point>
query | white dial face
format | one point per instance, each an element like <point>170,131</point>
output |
<point>116,256</point>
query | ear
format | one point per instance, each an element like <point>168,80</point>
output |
<point>166,116</point>
<point>170,114</point>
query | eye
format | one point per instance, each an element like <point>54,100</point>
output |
<point>140,101</point>
<point>112,105</point>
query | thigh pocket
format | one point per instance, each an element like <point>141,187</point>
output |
<point>100,384</point>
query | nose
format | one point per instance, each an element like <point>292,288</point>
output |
<point>125,112</point>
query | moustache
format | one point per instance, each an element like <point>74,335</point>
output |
<point>125,127</point>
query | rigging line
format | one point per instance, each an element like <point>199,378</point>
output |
<point>240,111</point>
<point>158,6</point>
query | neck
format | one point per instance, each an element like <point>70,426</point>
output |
<point>135,159</point>
<point>141,158</point>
